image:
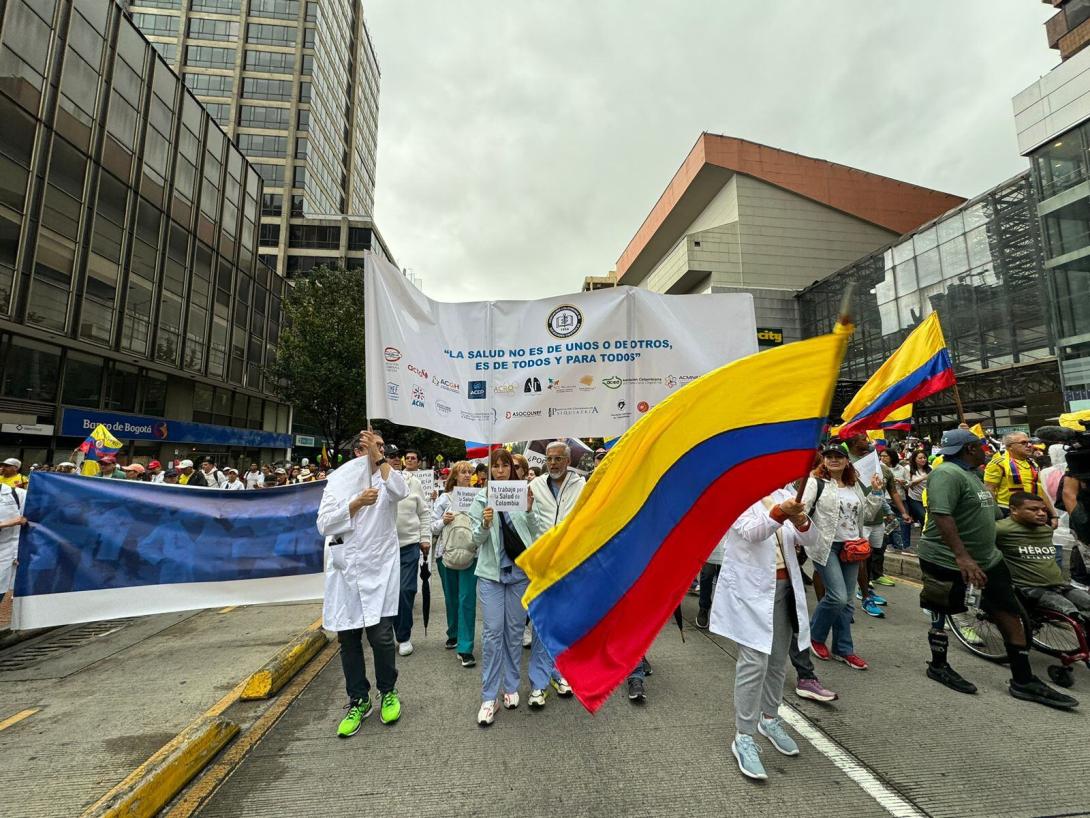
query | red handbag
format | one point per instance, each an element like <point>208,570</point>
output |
<point>855,550</point>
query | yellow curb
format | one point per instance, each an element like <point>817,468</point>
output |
<point>151,785</point>
<point>278,671</point>
<point>202,790</point>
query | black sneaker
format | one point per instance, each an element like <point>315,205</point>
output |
<point>451,644</point>
<point>946,675</point>
<point>467,659</point>
<point>702,619</point>
<point>635,690</point>
<point>1037,691</point>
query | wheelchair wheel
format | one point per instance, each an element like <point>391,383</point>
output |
<point>1062,676</point>
<point>1055,637</point>
<point>979,634</point>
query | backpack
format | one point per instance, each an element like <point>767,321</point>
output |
<point>459,550</point>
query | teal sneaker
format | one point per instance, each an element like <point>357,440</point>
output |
<point>358,710</point>
<point>748,755</point>
<point>391,707</point>
<point>774,731</point>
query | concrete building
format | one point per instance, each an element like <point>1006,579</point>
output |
<point>743,217</point>
<point>130,292</point>
<point>1052,120</point>
<point>295,83</point>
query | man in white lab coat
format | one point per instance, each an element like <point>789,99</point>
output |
<point>358,515</point>
<point>11,518</point>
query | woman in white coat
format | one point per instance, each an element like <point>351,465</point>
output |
<point>363,575</point>
<point>839,507</point>
<point>759,600</point>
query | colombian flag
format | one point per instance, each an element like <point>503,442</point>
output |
<point>920,367</point>
<point>100,442</point>
<point>603,582</point>
<point>475,450</point>
<point>899,419</point>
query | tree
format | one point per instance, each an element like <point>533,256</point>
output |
<point>319,366</point>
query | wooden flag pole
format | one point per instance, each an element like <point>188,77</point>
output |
<point>957,403</point>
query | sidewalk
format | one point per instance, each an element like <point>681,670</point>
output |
<point>104,706</point>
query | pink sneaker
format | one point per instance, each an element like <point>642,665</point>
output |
<point>820,651</point>
<point>852,661</point>
<point>812,689</point>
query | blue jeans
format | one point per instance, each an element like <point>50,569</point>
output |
<point>410,569</point>
<point>834,612</point>
<point>640,670</point>
<point>502,622</point>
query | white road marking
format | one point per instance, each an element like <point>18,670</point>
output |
<point>889,800</point>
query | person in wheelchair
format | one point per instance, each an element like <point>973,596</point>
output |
<point>1025,540</point>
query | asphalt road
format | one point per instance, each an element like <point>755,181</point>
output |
<point>894,744</point>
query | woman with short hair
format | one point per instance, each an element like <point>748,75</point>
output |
<point>459,585</point>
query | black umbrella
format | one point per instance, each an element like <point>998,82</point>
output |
<point>425,591</point>
<point>680,622</point>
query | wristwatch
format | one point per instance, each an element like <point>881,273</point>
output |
<point>380,461</point>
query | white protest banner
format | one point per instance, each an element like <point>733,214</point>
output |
<point>507,495</point>
<point>463,498</point>
<point>581,365</point>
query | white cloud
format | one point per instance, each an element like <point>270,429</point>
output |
<point>521,144</point>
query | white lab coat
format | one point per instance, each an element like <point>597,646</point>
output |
<point>745,595</point>
<point>362,575</point>
<point>11,505</point>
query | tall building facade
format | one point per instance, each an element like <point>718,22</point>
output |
<point>130,292</point>
<point>1052,121</point>
<point>295,83</point>
<point>980,266</point>
<point>743,217</point>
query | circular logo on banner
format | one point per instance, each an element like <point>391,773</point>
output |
<point>564,321</point>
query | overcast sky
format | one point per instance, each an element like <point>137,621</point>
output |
<point>522,143</point>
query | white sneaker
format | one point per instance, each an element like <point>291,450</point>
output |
<point>537,699</point>
<point>510,700</point>
<point>487,714</point>
<point>527,635</point>
<point>405,648</point>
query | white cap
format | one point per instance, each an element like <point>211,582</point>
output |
<point>11,461</point>
<point>185,464</point>
<point>232,471</point>
<point>66,463</point>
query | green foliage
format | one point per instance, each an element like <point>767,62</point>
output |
<point>320,357</point>
<point>427,442</point>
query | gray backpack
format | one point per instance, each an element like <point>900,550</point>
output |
<point>459,550</point>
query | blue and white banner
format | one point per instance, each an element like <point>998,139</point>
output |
<point>102,549</point>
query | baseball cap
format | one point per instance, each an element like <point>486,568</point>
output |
<point>11,461</point>
<point>833,448</point>
<point>232,471</point>
<point>954,440</point>
<point>155,464</point>
<point>136,467</point>
<point>170,473</point>
<point>106,458</point>
<point>185,464</point>
<point>66,463</point>
<point>280,471</point>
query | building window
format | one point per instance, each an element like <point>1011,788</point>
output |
<point>268,261</point>
<point>301,147</point>
<point>299,176</point>
<point>255,88</point>
<point>359,238</point>
<point>168,51</point>
<point>260,116</point>
<point>314,236</point>
<point>160,4</point>
<point>281,9</point>
<point>297,206</point>
<point>32,371</point>
<point>301,265</point>
<point>272,62</point>
<point>154,401</point>
<point>157,24</point>
<point>272,204</point>
<point>205,29</point>
<point>218,6</point>
<point>312,12</point>
<point>302,120</point>
<point>207,56</point>
<point>262,34</point>
<point>308,38</point>
<point>253,144</point>
<point>212,85</point>
<point>270,234</point>
<point>304,92</point>
<point>220,111</point>
<point>273,175</point>
<point>308,65</point>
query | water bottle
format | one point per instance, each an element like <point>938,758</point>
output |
<point>972,596</point>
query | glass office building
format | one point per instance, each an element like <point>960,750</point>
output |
<point>981,266</point>
<point>295,84</point>
<point>130,291</point>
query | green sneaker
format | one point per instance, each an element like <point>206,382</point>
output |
<point>884,580</point>
<point>971,636</point>
<point>391,707</point>
<point>358,710</point>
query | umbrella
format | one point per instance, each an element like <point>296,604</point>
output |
<point>680,622</point>
<point>425,592</point>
